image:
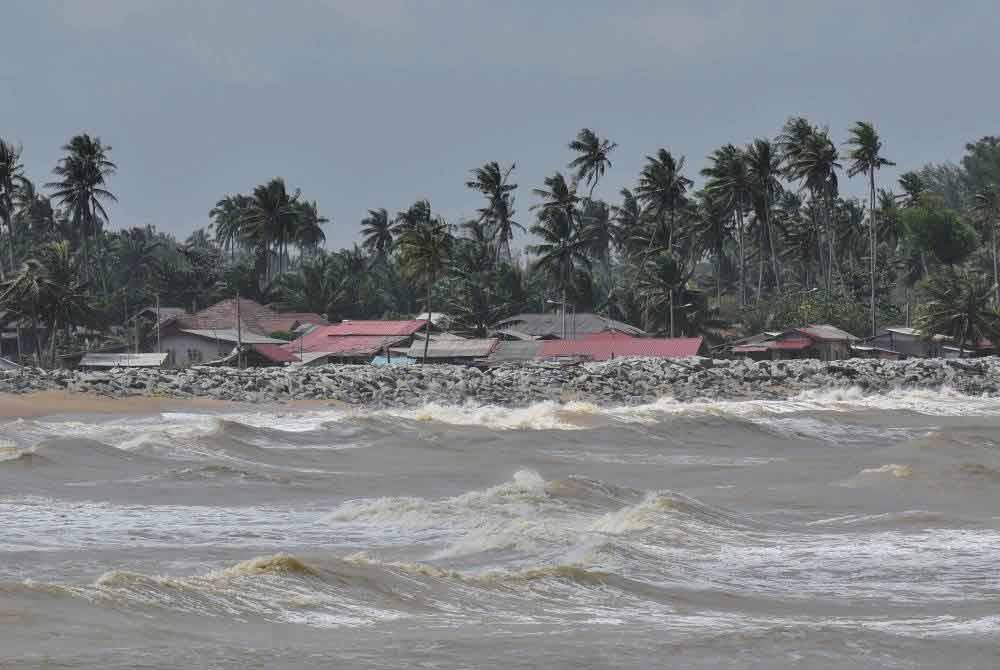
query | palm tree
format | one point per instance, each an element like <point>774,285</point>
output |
<point>810,157</point>
<point>763,165</point>
<point>866,157</point>
<point>729,183</point>
<point>986,205</point>
<point>309,235</point>
<point>492,182</point>
<point>656,282</point>
<point>81,189</point>
<point>418,213</point>
<point>318,286</point>
<point>11,178</point>
<point>713,233</point>
<point>423,255</point>
<point>913,187</point>
<point>377,231</point>
<point>229,220</point>
<point>558,226</point>
<point>271,219</point>
<point>662,188</point>
<point>593,160</point>
<point>629,222</point>
<point>958,303</point>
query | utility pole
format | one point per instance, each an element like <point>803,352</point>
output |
<point>239,333</point>
<point>158,350</point>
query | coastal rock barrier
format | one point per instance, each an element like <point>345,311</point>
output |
<point>618,382</point>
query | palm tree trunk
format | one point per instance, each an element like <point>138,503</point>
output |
<point>52,341</point>
<point>873,244</point>
<point>775,265</point>
<point>718,277</point>
<point>671,311</point>
<point>739,242</point>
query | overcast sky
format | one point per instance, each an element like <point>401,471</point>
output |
<point>375,103</point>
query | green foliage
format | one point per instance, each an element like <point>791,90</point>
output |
<point>934,229</point>
<point>958,303</point>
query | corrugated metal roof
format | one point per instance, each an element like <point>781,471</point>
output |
<point>750,349</point>
<point>226,335</point>
<point>641,347</point>
<point>514,352</point>
<point>826,332</point>
<point>8,365</point>
<point>382,328</point>
<point>904,330</point>
<point>275,353</point>
<point>122,360</point>
<point>551,324</point>
<point>344,345</point>
<point>791,344</point>
<point>478,348</point>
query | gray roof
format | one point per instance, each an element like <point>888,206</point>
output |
<point>232,336</point>
<point>826,332</point>
<point>514,352</point>
<point>903,330</point>
<point>122,360</point>
<point>577,325</point>
<point>8,364</point>
<point>454,349</point>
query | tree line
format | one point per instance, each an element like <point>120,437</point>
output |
<point>766,240</point>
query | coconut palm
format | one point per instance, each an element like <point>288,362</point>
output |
<point>423,255</point>
<point>913,186</point>
<point>986,206</point>
<point>958,303</point>
<point>713,232</point>
<point>662,188</point>
<point>763,165</point>
<point>729,184</point>
<point>811,158</point>
<point>228,221</point>
<point>593,160</point>
<point>417,213</point>
<point>309,235</point>
<point>82,186</point>
<point>866,158</point>
<point>563,249</point>
<point>11,179</point>
<point>271,222</point>
<point>656,283</point>
<point>377,231</point>
<point>493,182</point>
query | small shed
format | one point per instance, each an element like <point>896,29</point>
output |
<point>125,360</point>
<point>461,352</point>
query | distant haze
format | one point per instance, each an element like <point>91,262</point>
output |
<point>376,103</point>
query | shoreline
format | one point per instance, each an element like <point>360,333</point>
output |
<point>31,392</point>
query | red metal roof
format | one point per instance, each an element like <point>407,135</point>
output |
<point>751,348</point>
<point>602,350</point>
<point>346,345</point>
<point>606,336</point>
<point>275,353</point>
<point>791,344</point>
<point>306,317</point>
<point>398,328</point>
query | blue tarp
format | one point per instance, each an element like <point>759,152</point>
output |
<point>395,360</point>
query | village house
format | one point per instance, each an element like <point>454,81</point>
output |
<point>356,341</point>
<point>610,345</point>
<point>822,341</point>
<point>213,333</point>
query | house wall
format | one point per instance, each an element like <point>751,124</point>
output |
<point>905,344</point>
<point>184,350</point>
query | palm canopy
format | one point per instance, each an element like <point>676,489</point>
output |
<point>424,250</point>
<point>416,214</point>
<point>377,231</point>
<point>493,183</point>
<point>271,218</point>
<point>662,188</point>
<point>865,150</point>
<point>83,174</point>
<point>958,304</point>
<point>593,159</point>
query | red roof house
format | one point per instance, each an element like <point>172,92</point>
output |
<point>357,340</point>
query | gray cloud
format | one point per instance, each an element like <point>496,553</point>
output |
<point>373,104</point>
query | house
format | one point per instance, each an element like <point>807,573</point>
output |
<point>821,341</point>
<point>213,333</point>
<point>977,349</point>
<point>550,326</point>
<point>8,365</point>
<point>513,351</point>
<point>607,347</point>
<point>453,350</point>
<point>355,341</point>
<point>898,342</point>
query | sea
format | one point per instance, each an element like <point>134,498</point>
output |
<point>832,530</point>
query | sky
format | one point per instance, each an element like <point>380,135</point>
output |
<point>376,103</point>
